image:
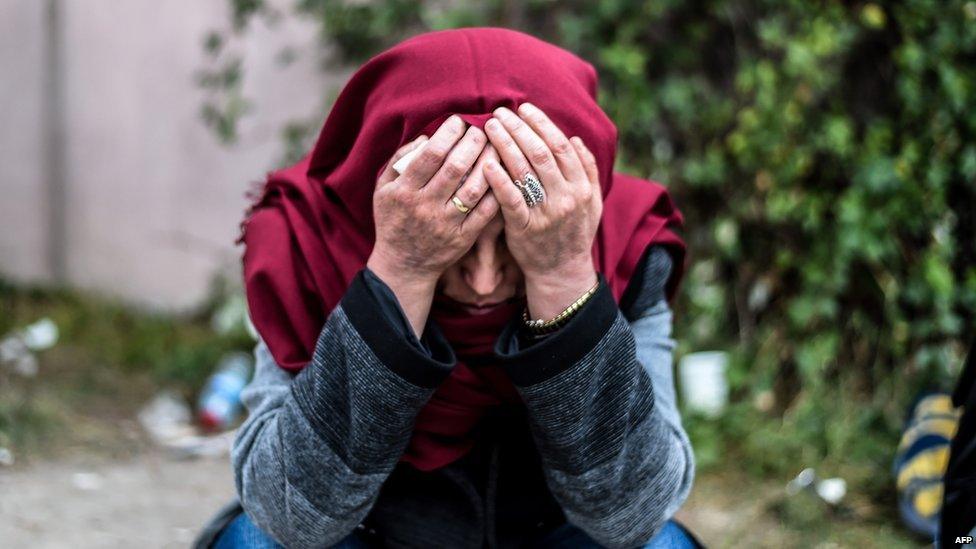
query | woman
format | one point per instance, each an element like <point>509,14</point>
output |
<point>475,351</point>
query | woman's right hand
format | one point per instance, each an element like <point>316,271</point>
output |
<point>419,230</point>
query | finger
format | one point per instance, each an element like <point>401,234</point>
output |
<point>510,200</point>
<point>589,161</point>
<point>481,215</point>
<point>457,165</point>
<point>564,152</point>
<point>534,148</point>
<point>389,174</point>
<point>419,172</point>
<point>508,150</point>
<point>474,187</point>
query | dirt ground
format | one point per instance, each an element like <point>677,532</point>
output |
<point>149,501</point>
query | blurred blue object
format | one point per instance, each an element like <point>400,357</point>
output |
<point>220,401</point>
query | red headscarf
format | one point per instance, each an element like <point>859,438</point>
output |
<point>312,229</point>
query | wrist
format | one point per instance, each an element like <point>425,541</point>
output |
<point>413,292</point>
<point>396,274</point>
<point>548,294</point>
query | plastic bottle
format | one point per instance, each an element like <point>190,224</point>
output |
<point>220,401</point>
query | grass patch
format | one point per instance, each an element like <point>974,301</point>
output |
<point>109,360</point>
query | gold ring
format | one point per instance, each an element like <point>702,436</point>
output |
<point>460,205</point>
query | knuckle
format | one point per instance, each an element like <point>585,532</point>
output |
<point>539,155</point>
<point>586,193</point>
<point>434,153</point>
<point>409,206</point>
<point>469,196</point>
<point>455,169</point>
<point>523,169</point>
<point>561,147</point>
<point>390,195</point>
<point>565,205</point>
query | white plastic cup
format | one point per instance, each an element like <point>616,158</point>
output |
<point>704,386</point>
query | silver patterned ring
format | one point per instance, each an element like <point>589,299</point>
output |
<point>532,190</point>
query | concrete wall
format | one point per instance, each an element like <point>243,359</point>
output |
<point>22,229</point>
<point>153,200</point>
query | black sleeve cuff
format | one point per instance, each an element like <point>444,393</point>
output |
<point>390,306</point>
<point>391,345</point>
<point>561,350</point>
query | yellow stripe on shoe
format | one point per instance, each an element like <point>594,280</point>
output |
<point>927,464</point>
<point>928,500</point>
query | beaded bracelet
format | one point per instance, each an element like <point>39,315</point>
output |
<point>541,327</point>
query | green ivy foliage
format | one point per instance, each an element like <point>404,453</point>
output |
<point>824,156</point>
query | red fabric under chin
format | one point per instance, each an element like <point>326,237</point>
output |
<point>311,230</point>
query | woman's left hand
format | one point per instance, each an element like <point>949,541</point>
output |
<point>551,241</point>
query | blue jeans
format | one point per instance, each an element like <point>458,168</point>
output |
<point>243,533</point>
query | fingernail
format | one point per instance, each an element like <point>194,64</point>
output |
<point>528,108</point>
<point>502,112</point>
<point>491,124</point>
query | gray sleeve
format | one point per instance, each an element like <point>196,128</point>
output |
<point>316,448</point>
<point>601,402</point>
